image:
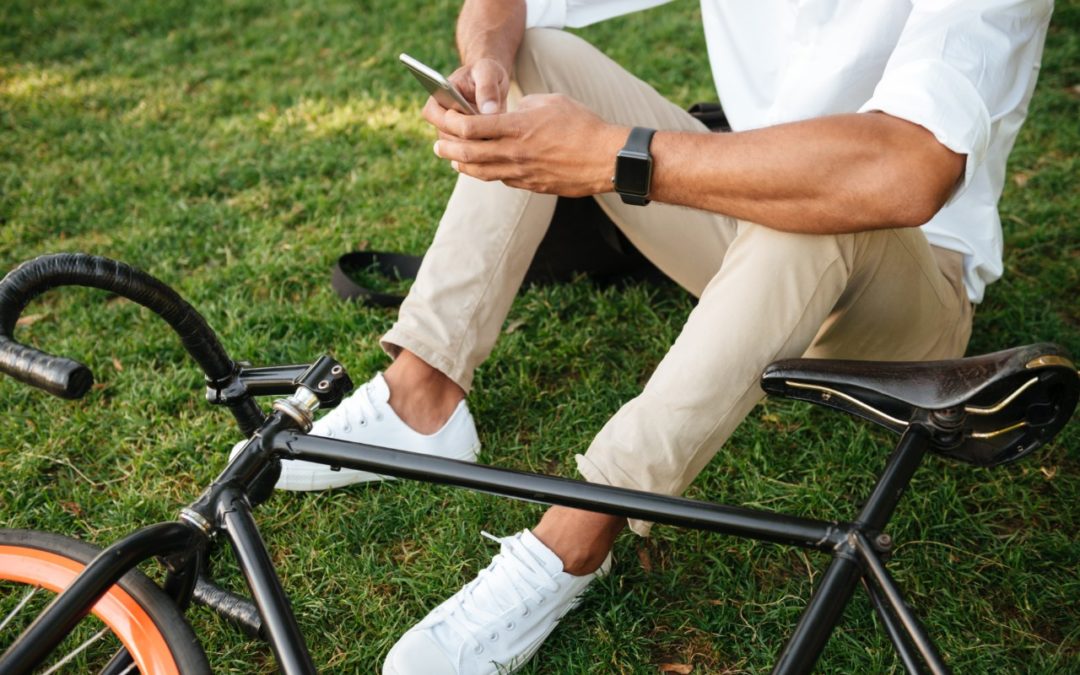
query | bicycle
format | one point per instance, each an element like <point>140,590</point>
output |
<point>985,410</point>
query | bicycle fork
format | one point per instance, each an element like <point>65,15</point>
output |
<point>181,545</point>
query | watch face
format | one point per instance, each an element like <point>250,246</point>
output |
<point>633,173</point>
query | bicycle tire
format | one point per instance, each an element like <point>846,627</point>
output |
<point>136,611</point>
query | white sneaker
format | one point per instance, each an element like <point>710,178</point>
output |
<point>366,417</point>
<point>498,620</point>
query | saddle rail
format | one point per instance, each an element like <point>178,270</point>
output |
<point>984,410</point>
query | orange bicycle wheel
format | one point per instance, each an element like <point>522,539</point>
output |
<point>134,614</point>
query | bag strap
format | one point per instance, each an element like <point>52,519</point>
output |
<point>390,265</point>
<point>711,115</point>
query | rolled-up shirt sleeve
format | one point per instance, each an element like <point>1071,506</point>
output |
<point>578,13</point>
<point>960,66</point>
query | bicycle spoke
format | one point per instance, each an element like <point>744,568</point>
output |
<point>18,608</point>
<point>129,669</point>
<point>100,634</point>
<point>120,664</point>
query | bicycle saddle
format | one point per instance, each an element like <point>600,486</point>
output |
<point>985,410</point>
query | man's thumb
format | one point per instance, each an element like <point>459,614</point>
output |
<point>487,91</point>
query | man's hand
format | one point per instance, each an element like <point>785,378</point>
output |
<point>550,144</point>
<point>488,36</point>
<point>484,82</point>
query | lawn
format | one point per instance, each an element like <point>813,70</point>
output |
<point>235,149</point>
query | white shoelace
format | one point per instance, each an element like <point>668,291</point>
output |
<point>356,410</point>
<point>514,576</point>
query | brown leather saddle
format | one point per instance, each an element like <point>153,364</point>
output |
<point>985,410</point>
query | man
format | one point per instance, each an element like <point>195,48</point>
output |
<point>852,213</point>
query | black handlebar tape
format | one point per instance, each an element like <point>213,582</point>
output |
<point>55,374</point>
<point>70,379</point>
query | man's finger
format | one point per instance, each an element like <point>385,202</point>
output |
<point>482,172</point>
<point>462,79</point>
<point>488,95</point>
<point>476,127</point>
<point>433,112</point>
<point>470,152</point>
<point>490,80</point>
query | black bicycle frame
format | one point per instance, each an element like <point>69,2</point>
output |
<point>855,546</point>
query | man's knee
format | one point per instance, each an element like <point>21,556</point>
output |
<point>772,248</point>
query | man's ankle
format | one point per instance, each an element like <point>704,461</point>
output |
<point>581,539</point>
<point>423,397</point>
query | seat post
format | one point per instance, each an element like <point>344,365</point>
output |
<point>902,464</point>
<point>826,606</point>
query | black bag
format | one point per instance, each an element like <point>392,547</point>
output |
<point>580,240</point>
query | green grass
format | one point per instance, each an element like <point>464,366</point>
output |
<point>236,149</point>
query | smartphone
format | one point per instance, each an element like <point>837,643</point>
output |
<point>438,86</point>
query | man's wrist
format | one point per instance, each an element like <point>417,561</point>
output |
<point>491,29</point>
<point>470,61</point>
<point>490,48</point>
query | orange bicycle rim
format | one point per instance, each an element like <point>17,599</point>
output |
<point>116,609</point>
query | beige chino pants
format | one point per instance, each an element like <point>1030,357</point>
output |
<point>763,294</point>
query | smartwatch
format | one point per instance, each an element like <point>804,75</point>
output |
<point>633,167</point>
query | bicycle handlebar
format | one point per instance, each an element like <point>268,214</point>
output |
<point>58,375</point>
<point>66,378</point>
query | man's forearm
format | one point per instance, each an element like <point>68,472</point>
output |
<point>490,29</point>
<point>833,174</point>
<point>843,173</point>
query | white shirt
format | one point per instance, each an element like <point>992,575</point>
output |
<point>963,69</point>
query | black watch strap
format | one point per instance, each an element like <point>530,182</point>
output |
<point>633,167</point>
<point>639,139</point>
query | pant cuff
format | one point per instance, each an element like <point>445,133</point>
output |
<point>397,338</point>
